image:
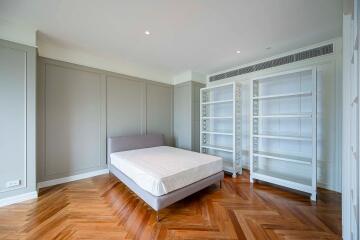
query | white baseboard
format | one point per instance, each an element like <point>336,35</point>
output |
<point>71,178</point>
<point>18,198</point>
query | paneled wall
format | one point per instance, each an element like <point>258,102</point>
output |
<point>79,107</point>
<point>17,119</point>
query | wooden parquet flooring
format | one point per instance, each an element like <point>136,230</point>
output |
<point>103,208</point>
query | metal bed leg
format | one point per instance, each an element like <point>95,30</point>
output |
<point>157,216</point>
<point>220,184</point>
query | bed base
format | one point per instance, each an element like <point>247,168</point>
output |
<point>159,202</point>
<point>124,143</point>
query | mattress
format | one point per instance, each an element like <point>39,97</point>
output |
<point>161,170</point>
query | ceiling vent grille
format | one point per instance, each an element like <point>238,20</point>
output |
<point>315,52</point>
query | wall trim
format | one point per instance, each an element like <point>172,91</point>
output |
<point>72,178</point>
<point>18,198</point>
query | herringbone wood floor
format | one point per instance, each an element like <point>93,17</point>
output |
<point>103,208</point>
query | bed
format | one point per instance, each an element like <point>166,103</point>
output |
<point>158,174</point>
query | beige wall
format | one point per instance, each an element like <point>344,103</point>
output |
<point>78,107</point>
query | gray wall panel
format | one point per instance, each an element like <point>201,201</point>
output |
<point>13,116</point>
<point>17,118</point>
<point>125,106</point>
<point>73,121</point>
<point>159,113</point>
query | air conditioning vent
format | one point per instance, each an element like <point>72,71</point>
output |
<point>315,52</point>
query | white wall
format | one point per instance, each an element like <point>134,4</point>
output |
<point>329,103</point>
<point>351,120</point>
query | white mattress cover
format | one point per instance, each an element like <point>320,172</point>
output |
<point>160,170</point>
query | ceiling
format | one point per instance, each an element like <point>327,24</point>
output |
<point>198,35</point>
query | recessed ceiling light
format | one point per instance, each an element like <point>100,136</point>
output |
<point>238,51</point>
<point>147,32</point>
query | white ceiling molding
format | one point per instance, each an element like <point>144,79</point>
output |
<point>189,76</point>
<point>18,33</point>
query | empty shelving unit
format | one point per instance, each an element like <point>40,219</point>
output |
<point>220,124</point>
<point>283,130</point>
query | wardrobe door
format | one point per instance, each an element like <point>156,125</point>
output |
<point>182,116</point>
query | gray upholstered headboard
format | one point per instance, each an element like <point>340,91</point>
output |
<point>124,143</point>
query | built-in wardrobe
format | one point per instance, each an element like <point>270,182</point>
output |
<point>187,115</point>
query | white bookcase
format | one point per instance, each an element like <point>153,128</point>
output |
<point>283,130</point>
<point>220,124</point>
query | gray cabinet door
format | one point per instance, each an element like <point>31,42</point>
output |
<point>12,117</point>
<point>125,106</point>
<point>196,115</point>
<point>159,110</point>
<point>182,116</point>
